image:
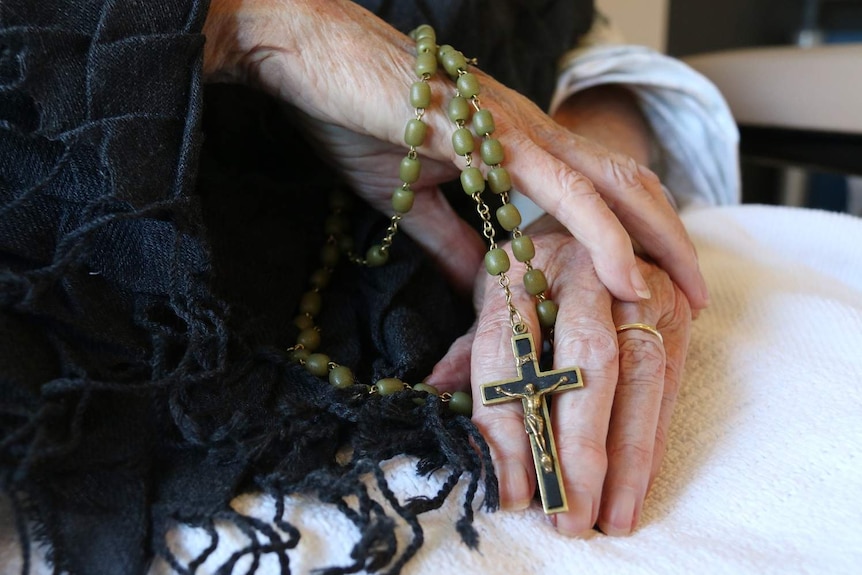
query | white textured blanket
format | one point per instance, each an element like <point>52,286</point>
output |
<point>764,467</point>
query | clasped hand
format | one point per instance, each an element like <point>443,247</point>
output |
<point>347,72</point>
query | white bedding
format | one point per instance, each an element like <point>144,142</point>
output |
<point>764,468</point>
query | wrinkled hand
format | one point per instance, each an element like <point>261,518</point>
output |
<point>611,434</point>
<point>348,72</point>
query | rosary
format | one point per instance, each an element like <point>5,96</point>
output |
<point>531,385</point>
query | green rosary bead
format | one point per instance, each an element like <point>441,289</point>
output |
<point>303,322</point>
<point>461,403</point>
<point>320,278</point>
<point>458,109</point>
<point>426,64</point>
<point>535,282</point>
<point>472,180</point>
<point>409,170</point>
<point>376,256</point>
<point>420,95</point>
<point>468,85</point>
<point>453,61</point>
<point>317,364</point>
<point>429,389</point>
<point>389,385</point>
<point>444,49</point>
<point>424,31</point>
<point>299,355</point>
<point>346,244</point>
<point>335,225</point>
<point>402,200</point>
<point>426,46</point>
<point>310,303</point>
<point>523,248</point>
<point>329,255</point>
<point>499,180</point>
<point>509,217</point>
<point>497,261</point>
<point>483,122</point>
<point>462,141</point>
<point>492,152</point>
<point>414,132</point>
<point>341,377</point>
<point>547,311</point>
<point>309,338</point>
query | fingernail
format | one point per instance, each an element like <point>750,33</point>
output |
<point>579,519</point>
<point>622,514</point>
<point>514,486</point>
<point>639,284</point>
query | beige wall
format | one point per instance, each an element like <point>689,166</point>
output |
<point>640,21</point>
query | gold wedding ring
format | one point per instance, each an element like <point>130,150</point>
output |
<point>642,327</point>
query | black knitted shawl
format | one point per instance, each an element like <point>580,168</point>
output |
<point>155,237</point>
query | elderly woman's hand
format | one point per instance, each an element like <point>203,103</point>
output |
<point>610,434</point>
<point>348,73</point>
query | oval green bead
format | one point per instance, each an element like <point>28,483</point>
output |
<point>303,322</point>
<point>492,151</point>
<point>335,224</point>
<point>310,303</point>
<point>468,85</point>
<point>420,95</point>
<point>309,338</point>
<point>472,180</point>
<point>547,311</point>
<point>443,49</point>
<point>499,180</point>
<point>376,256</point>
<point>483,122</point>
<point>497,261</point>
<point>426,64</point>
<point>414,132</point>
<point>509,217</point>
<point>341,377</point>
<point>523,248</point>
<point>461,403</point>
<point>299,355</point>
<point>409,170</point>
<point>426,46</point>
<point>317,364</point>
<point>402,200</point>
<point>462,141</point>
<point>458,109</point>
<point>430,389</point>
<point>535,282</point>
<point>329,255</point>
<point>389,385</point>
<point>423,31</point>
<point>346,244</point>
<point>320,278</point>
<point>453,61</point>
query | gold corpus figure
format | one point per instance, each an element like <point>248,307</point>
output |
<point>534,421</point>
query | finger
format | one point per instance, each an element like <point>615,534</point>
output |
<point>634,418</point>
<point>635,195</point>
<point>676,328</point>
<point>452,372</point>
<point>502,425</point>
<point>584,337</point>
<point>454,246</point>
<point>571,198</point>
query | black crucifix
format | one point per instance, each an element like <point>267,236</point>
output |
<point>531,386</point>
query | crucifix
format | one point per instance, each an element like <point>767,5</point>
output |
<point>531,387</point>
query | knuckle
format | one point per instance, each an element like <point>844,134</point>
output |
<point>631,455</point>
<point>591,341</point>
<point>644,357</point>
<point>622,171</point>
<point>588,452</point>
